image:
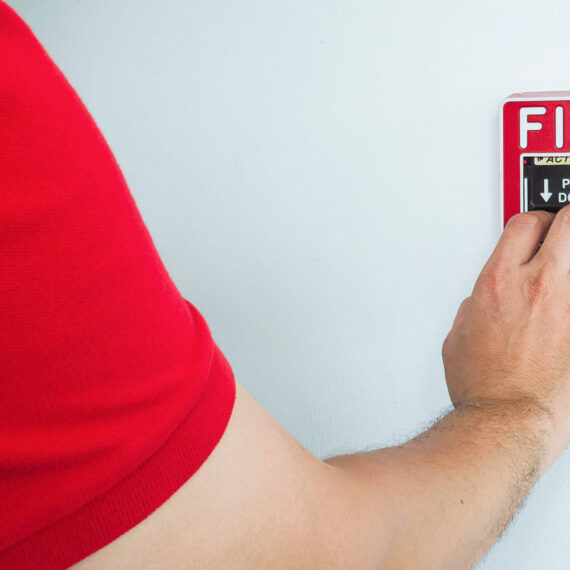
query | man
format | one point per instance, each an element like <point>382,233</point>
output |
<point>261,500</point>
<point>102,363</point>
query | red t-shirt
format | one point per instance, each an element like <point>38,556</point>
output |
<point>112,389</point>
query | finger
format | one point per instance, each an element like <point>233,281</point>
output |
<point>520,238</point>
<point>557,241</point>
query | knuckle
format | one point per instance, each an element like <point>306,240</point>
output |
<point>463,307</point>
<point>445,346</point>
<point>565,216</point>
<point>538,286</point>
<point>492,283</point>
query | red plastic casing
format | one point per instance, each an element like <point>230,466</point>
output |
<point>550,139</point>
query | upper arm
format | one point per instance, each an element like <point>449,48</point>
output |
<point>260,500</point>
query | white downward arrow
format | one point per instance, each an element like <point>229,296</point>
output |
<point>546,194</point>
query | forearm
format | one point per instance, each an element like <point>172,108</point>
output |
<point>448,494</point>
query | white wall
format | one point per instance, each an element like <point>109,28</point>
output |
<point>321,180</point>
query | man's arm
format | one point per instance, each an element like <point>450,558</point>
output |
<point>261,500</point>
<point>449,493</point>
<point>452,491</point>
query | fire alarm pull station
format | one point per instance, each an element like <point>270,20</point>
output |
<point>535,157</point>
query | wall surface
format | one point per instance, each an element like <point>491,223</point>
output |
<point>321,181</point>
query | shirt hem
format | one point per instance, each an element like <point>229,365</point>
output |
<point>114,512</point>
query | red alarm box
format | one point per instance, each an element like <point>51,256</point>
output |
<point>535,152</point>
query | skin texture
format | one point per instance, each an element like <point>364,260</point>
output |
<point>440,500</point>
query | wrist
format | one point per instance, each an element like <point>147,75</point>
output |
<point>524,426</point>
<point>463,479</point>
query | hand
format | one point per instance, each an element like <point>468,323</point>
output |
<point>510,341</point>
